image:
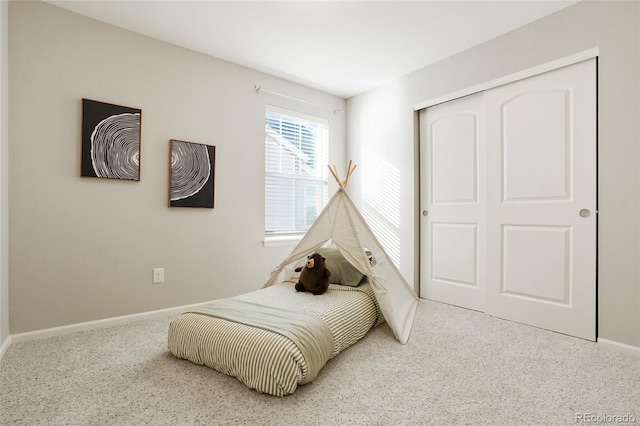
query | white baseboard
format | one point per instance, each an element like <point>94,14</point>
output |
<point>5,345</point>
<point>93,325</point>
<point>619,347</point>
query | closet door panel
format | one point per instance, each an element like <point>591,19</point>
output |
<point>541,201</point>
<point>452,182</point>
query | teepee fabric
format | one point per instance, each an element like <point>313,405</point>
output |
<point>342,223</point>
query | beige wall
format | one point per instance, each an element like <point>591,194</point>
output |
<point>83,249</point>
<point>4,174</point>
<point>382,125</point>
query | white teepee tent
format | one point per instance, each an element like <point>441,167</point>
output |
<point>341,223</point>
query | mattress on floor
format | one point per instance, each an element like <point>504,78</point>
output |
<point>265,360</point>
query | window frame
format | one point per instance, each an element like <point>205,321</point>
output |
<point>281,238</point>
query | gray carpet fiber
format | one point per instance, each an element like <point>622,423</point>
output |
<point>459,367</point>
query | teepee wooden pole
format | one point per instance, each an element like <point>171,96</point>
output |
<point>350,170</point>
<point>346,179</point>
<point>334,171</point>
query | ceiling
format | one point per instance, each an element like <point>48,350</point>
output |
<point>341,47</point>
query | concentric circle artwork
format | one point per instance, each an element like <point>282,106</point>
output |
<point>110,141</point>
<point>192,173</point>
<point>115,147</point>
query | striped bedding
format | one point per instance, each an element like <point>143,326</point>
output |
<point>264,360</point>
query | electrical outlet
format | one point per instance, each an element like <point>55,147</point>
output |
<point>158,275</point>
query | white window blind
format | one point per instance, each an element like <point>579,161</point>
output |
<point>296,155</point>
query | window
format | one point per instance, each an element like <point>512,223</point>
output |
<point>296,155</point>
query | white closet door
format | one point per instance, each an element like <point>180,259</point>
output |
<point>508,195</point>
<point>541,206</point>
<point>452,182</point>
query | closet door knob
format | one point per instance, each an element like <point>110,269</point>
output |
<point>425,213</point>
<point>585,213</point>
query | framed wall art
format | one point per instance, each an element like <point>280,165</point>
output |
<point>192,174</point>
<point>110,141</point>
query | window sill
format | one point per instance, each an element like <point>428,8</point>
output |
<point>289,240</point>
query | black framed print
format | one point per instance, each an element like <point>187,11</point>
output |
<point>110,141</point>
<point>192,174</point>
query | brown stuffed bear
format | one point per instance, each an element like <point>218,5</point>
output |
<point>314,277</point>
